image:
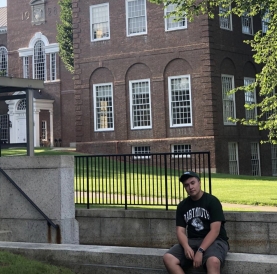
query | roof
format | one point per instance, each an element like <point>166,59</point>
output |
<point>3,17</point>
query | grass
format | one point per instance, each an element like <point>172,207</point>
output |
<point>234,189</point>
<point>11,264</point>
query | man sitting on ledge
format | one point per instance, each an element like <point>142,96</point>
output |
<point>200,231</point>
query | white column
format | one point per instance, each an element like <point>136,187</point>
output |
<point>51,128</point>
<point>36,127</point>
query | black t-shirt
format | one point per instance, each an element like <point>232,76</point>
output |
<point>197,216</point>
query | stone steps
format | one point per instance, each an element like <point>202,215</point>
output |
<point>5,236</point>
<point>87,259</point>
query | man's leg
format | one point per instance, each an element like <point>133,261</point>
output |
<point>172,264</point>
<point>213,265</point>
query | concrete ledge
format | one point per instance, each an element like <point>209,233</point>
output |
<point>87,259</point>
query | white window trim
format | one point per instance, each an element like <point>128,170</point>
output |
<point>255,98</point>
<point>45,124</point>
<point>177,28</point>
<point>251,26</point>
<point>258,157</point>
<point>45,63</point>
<point>229,123</point>
<point>90,16</point>
<point>141,156</point>
<point>53,56</point>
<point>237,157</point>
<point>127,25</point>
<point>229,17</point>
<point>274,159</point>
<point>7,64</point>
<point>180,155</point>
<point>131,104</point>
<point>94,107</point>
<point>170,101</point>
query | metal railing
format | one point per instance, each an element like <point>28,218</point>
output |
<point>137,179</point>
<point>49,222</point>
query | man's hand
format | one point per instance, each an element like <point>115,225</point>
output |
<point>189,253</point>
<point>197,259</point>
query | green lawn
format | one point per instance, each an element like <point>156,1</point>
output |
<point>17,264</point>
<point>248,190</point>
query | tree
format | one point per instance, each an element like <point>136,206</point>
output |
<point>264,46</point>
<point>65,34</point>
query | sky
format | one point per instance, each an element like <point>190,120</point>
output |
<point>3,3</point>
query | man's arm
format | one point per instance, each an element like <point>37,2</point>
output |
<point>183,240</point>
<point>207,241</point>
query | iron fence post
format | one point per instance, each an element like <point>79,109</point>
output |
<point>165,177</point>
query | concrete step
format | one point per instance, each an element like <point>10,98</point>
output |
<point>87,259</point>
<point>5,236</point>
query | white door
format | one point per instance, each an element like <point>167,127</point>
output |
<point>21,130</point>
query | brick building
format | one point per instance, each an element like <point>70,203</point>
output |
<point>144,84</point>
<point>29,49</point>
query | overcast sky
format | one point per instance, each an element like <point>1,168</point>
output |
<point>3,3</point>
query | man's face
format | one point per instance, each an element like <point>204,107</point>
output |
<point>193,187</point>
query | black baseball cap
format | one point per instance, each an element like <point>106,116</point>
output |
<point>188,174</point>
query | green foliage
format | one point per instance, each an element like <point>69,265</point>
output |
<point>264,46</point>
<point>65,34</point>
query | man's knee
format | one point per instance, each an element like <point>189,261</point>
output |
<point>213,262</point>
<point>169,259</point>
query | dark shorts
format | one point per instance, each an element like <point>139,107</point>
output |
<point>218,248</point>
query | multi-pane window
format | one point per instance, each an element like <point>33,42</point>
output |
<point>255,159</point>
<point>265,22</point>
<point>21,105</point>
<point>170,21</point>
<point>141,152</point>
<point>272,110</point>
<point>3,61</point>
<point>274,159</point>
<point>4,128</point>
<point>225,20</point>
<point>250,99</point>
<point>140,104</point>
<point>26,67</point>
<point>180,101</point>
<point>136,17</point>
<point>233,158</point>
<point>247,24</point>
<point>103,107</point>
<point>227,82</point>
<point>53,66</point>
<point>181,149</point>
<point>100,22</point>
<point>44,130</point>
<point>39,61</point>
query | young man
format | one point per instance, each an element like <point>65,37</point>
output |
<point>200,231</point>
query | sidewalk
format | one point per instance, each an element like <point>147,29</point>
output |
<point>237,207</point>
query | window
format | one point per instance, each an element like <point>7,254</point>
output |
<point>181,149</point>
<point>265,22</point>
<point>170,22</point>
<point>136,17</point>
<point>227,82</point>
<point>225,20</point>
<point>25,67</point>
<point>247,24</point>
<point>233,158</point>
<point>270,106</point>
<point>43,130</point>
<point>100,22</point>
<point>53,75</point>
<point>3,61</point>
<point>103,107</point>
<point>39,61</point>
<point>4,128</point>
<point>250,98</point>
<point>21,105</point>
<point>180,101</point>
<point>255,159</point>
<point>140,152</point>
<point>140,104</point>
<point>274,159</point>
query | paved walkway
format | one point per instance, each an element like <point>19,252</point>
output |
<point>237,207</point>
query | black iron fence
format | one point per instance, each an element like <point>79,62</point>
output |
<point>137,179</point>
